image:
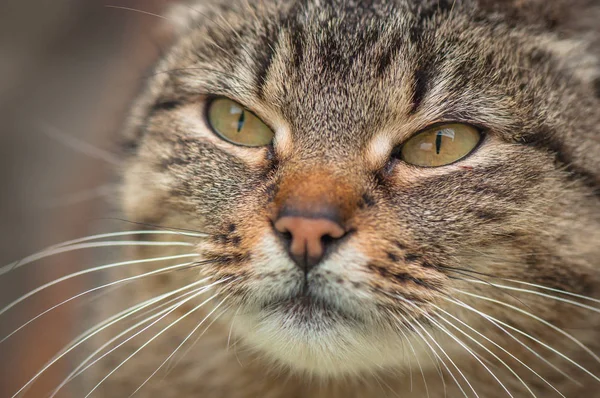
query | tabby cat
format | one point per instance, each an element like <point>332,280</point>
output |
<point>348,198</point>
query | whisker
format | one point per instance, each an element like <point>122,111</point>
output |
<point>434,351</point>
<point>489,352</point>
<point>231,327</point>
<point>174,365</point>
<point>182,231</point>
<point>495,344</point>
<point>381,380</point>
<point>133,310</point>
<point>466,271</point>
<point>415,355</point>
<point>139,12</point>
<point>64,249</point>
<point>466,347</point>
<point>150,341</point>
<point>86,364</point>
<point>122,233</point>
<point>537,318</point>
<point>79,145</point>
<point>91,270</point>
<point>498,322</point>
<point>179,346</point>
<point>83,366</point>
<point>100,327</point>
<point>575,303</point>
<point>451,361</point>
<point>470,275</point>
<point>475,356</point>
<point>124,280</point>
<point>438,369</point>
<point>436,343</point>
<point>158,307</point>
<point>553,290</point>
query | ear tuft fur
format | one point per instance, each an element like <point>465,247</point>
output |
<point>180,17</point>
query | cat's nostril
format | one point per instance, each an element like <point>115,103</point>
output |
<point>308,238</point>
<point>286,235</point>
<point>326,240</point>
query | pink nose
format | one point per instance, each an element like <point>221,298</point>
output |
<point>309,238</point>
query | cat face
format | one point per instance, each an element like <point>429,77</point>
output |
<point>374,251</point>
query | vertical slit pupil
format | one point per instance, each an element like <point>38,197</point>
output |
<point>241,121</point>
<point>438,142</point>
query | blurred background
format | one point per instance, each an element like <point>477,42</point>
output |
<point>68,70</point>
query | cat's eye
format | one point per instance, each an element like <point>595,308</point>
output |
<point>441,145</point>
<point>236,124</point>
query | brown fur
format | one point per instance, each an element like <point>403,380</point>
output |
<point>342,84</point>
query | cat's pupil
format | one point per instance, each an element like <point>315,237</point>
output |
<point>241,121</point>
<point>438,142</point>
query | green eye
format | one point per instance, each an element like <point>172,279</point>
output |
<point>234,123</point>
<point>441,145</point>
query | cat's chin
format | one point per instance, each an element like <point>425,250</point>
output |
<point>311,337</point>
<point>307,312</point>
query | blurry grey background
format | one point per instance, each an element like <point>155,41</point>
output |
<point>68,68</point>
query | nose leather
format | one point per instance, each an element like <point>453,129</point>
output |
<point>309,238</point>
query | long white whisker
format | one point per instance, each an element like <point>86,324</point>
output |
<point>64,249</point>
<point>83,366</point>
<point>79,145</point>
<point>88,363</point>
<point>113,235</point>
<point>553,290</point>
<point>231,327</point>
<point>517,289</point>
<point>120,281</point>
<point>434,351</point>
<point>489,352</point>
<point>139,11</point>
<point>100,327</point>
<point>88,271</point>
<point>440,347</point>
<point>436,362</point>
<point>473,354</point>
<point>135,309</point>
<point>492,342</point>
<point>150,341</point>
<point>160,306</point>
<point>537,318</point>
<point>179,346</point>
<point>174,365</point>
<point>415,355</point>
<point>498,322</point>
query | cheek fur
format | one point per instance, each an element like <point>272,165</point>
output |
<point>420,237</point>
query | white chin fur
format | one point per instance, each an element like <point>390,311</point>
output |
<point>324,348</point>
<point>320,344</point>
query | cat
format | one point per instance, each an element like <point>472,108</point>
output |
<point>381,198</point>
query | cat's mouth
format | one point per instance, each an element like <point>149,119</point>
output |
<point>307,307</point>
